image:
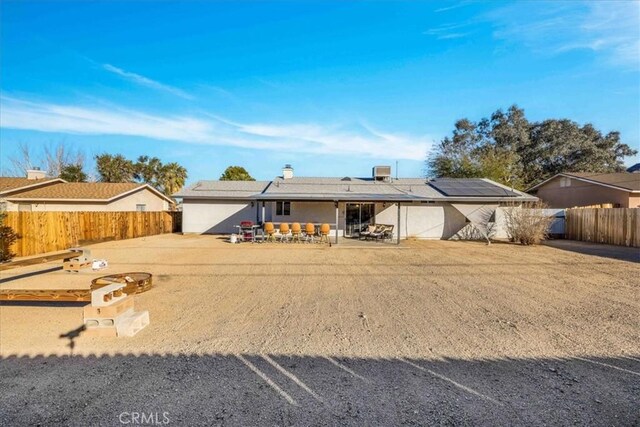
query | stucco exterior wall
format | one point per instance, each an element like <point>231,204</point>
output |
<point>127,203</point>
<point>215,216</point>
<point>420,221</point>
<point>580,193</point>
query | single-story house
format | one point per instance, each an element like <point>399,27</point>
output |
<point>416,207</point>
<point>567,190</point>
<point>37,193</point>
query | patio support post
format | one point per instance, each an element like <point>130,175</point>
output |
<point>337,223</point>
<point>263,212</point>
<point>398,238</point>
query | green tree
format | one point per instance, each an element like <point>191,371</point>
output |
<point>73,173</point>
<point>511,150</point>
<point>236,173</point>
<point>148,170</point>
<point>7,238</point>
<point>172,178</point>
<point>114,168</point>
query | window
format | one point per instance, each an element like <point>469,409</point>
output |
<point>3,206</point>
<point>283,208</point>
<point>24,207</point>
<point>565,181</point>
<point>141,208</point>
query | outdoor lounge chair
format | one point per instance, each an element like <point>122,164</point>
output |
<point>387,234</point>
<point>366,231</point>
<point>382,232</point>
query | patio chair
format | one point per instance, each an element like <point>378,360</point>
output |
<point>296,232</point>
<point>387,234</point>
<point>378,233</point>
<point>309,232</point>
<point>270,231</point>
<point>324,233</point>
<point>366,232</point>
<point>284,232</point>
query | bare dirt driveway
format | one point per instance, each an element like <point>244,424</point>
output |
<point>429,333</point>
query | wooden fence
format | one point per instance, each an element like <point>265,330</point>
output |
<point>615,226</point>
<point>53,231</point>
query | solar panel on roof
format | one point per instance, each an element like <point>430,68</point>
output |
<point>469,188</point>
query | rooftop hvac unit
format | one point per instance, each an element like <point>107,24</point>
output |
<point>382,173</point>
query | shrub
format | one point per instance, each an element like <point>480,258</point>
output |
<point>528,223</point>
<point>7,238</point>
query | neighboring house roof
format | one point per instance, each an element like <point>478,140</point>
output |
<point>337,188</point>
<point>634,168</point>
<point>619,180</point>
<point>84,191</point>
<point>12,184</point>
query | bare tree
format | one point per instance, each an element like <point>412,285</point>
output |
<point>22,161</point>
<point>54,157</point>
<point>59,155</point>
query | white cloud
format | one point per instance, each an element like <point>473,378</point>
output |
<point>145,81</point>
<point>211,129</point>
<point>610,29</point>
<point>450,31</point>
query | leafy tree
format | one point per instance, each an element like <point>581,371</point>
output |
<point>73,173</point>
<point>167,179</point>
<point>114,168</point>
<point>148,170</point>
<point>172,178</point>
<point>7,238</point>
<point>236,173</point>
<point>511,150</point>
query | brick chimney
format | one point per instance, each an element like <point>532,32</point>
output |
<point>36,173</point>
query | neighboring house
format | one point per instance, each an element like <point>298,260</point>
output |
<point>29,194</point>
<point>14,185</point>
<point>416,208</point>
<point>634,169</point>
<point>567,190</point>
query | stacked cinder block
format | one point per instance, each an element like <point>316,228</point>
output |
<point>111,313</point>
<point>80,261</point>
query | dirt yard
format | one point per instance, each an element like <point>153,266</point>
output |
<point>446,333</point>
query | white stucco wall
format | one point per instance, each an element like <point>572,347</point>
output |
<point>215,217</point>
<point>419,220</point>
<point>127,203</point>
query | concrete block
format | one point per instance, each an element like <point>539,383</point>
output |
<point>112,311</point>
<point>100,321</point>
<point>107,295</point>
<point>133,324</point>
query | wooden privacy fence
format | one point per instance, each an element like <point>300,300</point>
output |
<point>53,231</point>
<point>615,226</point>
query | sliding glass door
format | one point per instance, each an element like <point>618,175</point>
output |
<point>358,215</point>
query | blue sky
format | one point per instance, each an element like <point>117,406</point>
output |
<point>332,88</point>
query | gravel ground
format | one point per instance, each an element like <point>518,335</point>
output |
<point>444,333</point>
